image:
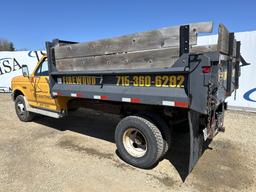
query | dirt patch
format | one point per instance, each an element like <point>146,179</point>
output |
<point>224,167</point>
<point>72,145</point>
<point>78,154</point>
<point>44,133</point>
<point>165,180</point>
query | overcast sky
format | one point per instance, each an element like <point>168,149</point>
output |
<point>29,23</point>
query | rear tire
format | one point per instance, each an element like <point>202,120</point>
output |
<point>21,110</point>
<point>139,141</point>
<point>163,127</point>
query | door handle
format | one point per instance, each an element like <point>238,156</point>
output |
<point>24,87</point>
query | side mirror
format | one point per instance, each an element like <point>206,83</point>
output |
<point>25,71</point>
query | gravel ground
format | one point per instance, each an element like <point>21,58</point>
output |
<point>79,154</point>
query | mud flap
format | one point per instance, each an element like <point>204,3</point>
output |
<point>196,139</point>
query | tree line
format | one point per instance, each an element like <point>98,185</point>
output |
<point>6,45</point>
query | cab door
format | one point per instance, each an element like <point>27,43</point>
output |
<point>42,88</point>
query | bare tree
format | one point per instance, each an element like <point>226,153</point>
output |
<point>6,45</point>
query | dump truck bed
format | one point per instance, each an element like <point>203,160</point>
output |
<point>159,67</point>
<point>153,49</point>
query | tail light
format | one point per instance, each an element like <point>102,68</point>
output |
<point>207,69</point>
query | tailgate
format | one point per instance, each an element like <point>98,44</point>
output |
<point>229,49</point>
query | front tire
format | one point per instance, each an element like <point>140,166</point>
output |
<point>21,110</point>
<point>139,141</point>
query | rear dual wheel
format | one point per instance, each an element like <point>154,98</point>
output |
<point>164,128</point>
<point>139,141</point>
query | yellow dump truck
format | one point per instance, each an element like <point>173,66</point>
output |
<point>153,80</point>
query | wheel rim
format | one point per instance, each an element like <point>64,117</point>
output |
<point>21,108</point>
<point>135,142</point>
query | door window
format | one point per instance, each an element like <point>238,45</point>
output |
<point>42,70</point>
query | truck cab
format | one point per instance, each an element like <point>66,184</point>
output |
<point>31,93</point>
